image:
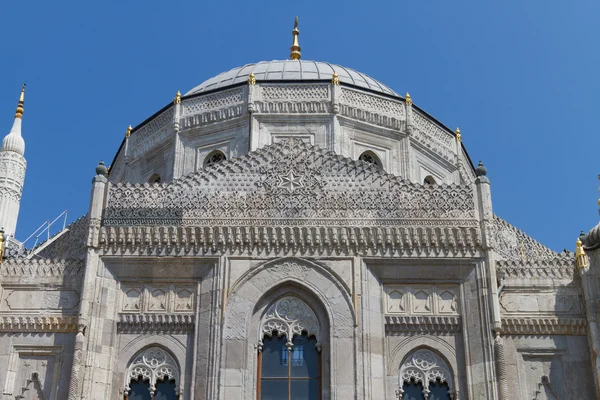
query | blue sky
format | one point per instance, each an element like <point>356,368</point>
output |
<point>520,78</point>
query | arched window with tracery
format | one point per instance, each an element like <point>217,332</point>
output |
<point>214,157</point>
<point>424,375</point>
<point>371,158</point>
<point>289,359</point>
<point>152,375</point>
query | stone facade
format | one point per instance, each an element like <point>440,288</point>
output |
<point>264,217</point>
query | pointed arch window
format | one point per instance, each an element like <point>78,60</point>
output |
<point>214,157</point>
<point>425,376</point>
<point>371,158</point>
<point>153,375</point>
<point>289,359</point>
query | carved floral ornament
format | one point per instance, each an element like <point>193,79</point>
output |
<point>289,316</point>
<point>424,366</point>
<point>153,364</point>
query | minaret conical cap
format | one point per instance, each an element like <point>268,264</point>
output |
<point>14,141</point>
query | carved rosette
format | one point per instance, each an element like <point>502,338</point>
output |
<point>153,364</point>
<point>289,316</point>
<point>424,366</point>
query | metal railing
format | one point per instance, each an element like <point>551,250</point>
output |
<point>45,229</point>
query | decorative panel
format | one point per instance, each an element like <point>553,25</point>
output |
<point>417,299</point>
<point>33,299</point>
<point>156,298</point>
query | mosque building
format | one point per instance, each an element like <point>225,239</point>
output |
<point>292,230</point>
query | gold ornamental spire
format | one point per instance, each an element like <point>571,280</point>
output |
<point>408,99</point>
<point>20,110</point>
<point>295,49</point>
<point>177,99</point>
<point>581,259</point>
<point>128,131</point>
<point>458,135</point>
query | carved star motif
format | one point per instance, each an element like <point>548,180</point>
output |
<point>290,181</point>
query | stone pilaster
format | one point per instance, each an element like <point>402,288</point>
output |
<point>591,293</point>
<point>486,218</point>
<point>99,186</point>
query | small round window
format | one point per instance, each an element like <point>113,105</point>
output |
<point>371,158</point>
<point>214,158</point>
<point>429,180</point>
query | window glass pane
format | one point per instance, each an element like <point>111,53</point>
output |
<point>271,389</point>
<point>274,357</point>
<point>305,389</point>
<point>439,391</point>
<point>165,390</point>
<point>140,390</point>
<point>412,391</point>
<point>304,357</point>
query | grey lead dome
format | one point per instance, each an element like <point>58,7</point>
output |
<point>291,70</point>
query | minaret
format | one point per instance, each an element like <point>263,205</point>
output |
<point>12,172</point>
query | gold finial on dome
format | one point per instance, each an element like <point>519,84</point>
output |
<point>408,99</point>
<point>295,49</point>
<point>458,135</point>
<point>251,79</point>
<point>20,110</point>
<point>335,79</point>
<point>128,131</point>
<point>581,259</point>
<point>177,99</point>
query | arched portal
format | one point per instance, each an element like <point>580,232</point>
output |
<point>253,308</point>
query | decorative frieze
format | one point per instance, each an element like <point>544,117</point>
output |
<point>293,99</point>
<point>372,109</point>
<point>423,324</point>
<point>215,101</point>
<point>259,237</point>
<point>434,137</point>
<point>152,133</point>
<point>38,323</point>
<point>513,244</point>
<point>559,267</point>
<point>156,323</point>
<point>326,188</point>
<point>41,268</point>
<point>544,326</point>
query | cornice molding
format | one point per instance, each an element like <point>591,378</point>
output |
<point>544,326</point>
<point>411,241</point>
<point>38,323</point>
<point>423,324</point>
<point>137,323</point>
